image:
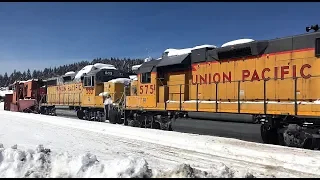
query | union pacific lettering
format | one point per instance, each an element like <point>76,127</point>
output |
<point>69,88</point>
<point>281,72</point>
<point>61,88</point>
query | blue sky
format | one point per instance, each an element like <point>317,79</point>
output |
<point>39,35</point>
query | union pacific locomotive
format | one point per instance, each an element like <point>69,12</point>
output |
<point>271,82</point>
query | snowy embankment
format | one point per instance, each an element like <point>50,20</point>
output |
<point>162,151</point>
<point>42,163</point>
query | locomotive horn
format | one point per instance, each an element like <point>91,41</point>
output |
<point>312,27</point>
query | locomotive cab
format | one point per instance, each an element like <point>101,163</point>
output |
<point>97,84</point>
<point>143,90</point>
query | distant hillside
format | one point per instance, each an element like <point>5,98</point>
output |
<point>122,64</point>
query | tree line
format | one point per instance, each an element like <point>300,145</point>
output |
<point>124,64</point>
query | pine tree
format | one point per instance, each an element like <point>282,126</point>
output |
<point>5,79</point>
<point>34,74</point>
<point>24,76</point>
<point>28,76</point>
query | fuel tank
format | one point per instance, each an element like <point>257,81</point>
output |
<point>244,118</point>
<point>237,130</point>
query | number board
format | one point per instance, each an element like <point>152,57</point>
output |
<point>108,73</point>
<point>147,89</point>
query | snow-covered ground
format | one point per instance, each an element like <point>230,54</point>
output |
<point>93,149</point>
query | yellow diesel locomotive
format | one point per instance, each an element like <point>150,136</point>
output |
<point>83,91</point>
<point>272,82</point>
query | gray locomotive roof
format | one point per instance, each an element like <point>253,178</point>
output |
<point>173,60</point>
<point>148,66</point>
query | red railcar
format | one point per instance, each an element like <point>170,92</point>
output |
<point>26,96</point>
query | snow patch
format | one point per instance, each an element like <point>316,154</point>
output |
<point>32,80</point>
<point>125,81</point>
<point>4,92</point>
<point>104,66</point>
<point>183,171</point>
<point>238,41</point>
<point>93,68</point>
<point>20,82</point>
<point>133,77</point>
<point>135,67</point>
<point>177,52</point>
<point>217,171</point>
<point>104,94</point>
<point>204,46</point>
<point>83,71</point>
<point>147,59</point>
<point>70,73</point>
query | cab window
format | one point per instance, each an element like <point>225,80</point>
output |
<point>145,77</point>
<point>317,47</point>
<point>88,81</point>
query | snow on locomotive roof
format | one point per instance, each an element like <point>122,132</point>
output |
<point>204,46</point>
<point>125,81</point>
<point>32,80</point>
<point>147,59</point>
<point>133,77</point>
<point>177,52</point>
<point>135,67</point>
<point>70,73</point>
<point>91,68</point>
<point>20,82</point>
<point>84,70</point>
<point>238,41</point>
<point>104,66</point>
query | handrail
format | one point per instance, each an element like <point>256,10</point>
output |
<point>238,100</point>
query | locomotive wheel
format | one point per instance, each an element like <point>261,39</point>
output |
<point>130,122</point>
<point>112,117</point>
<point>80,114</point>
<point>120,120</point>
<point>126,121</point>
<point>134,123</point>
<point>269,136</point>
<point>155,125</point>
<point>117,116</point>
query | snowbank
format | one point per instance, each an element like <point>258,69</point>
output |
<point>163,150</point>
<point>42,163</point>
<point>176,52</point>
